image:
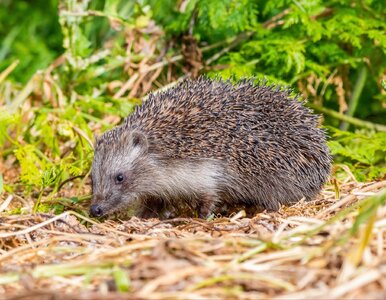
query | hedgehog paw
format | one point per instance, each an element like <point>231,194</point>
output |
<point>206,207</point>
<point>150,208</point>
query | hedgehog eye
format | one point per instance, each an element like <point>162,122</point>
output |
<point>119,178</point>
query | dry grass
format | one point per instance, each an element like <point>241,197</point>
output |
<point>304,251</point>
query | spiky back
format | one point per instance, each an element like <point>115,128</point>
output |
<point>257,130</point>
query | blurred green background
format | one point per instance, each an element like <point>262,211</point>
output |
<point>309,41</point>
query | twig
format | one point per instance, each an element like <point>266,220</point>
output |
<point>272,23</point>
<point>6,202</point>
<point>349,198</point>
<point>232,43</point>
<point>68,180</point>
<point>35,227</point>
<point>81,133</point>
<point>328,81</point>
<point>58,217</point>
<point>128,85</point>
<point>8,70</point>
<point>162,63</point>
<point>183,220</point>
<point>348,119</point>
<point>24,93</point>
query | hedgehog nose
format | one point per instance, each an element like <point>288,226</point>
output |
<point>96,210</point>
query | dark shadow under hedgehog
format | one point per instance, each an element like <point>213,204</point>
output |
<point>208,144</point>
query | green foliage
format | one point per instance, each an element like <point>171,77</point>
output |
<point>31,33</point>
<point>368,210</point>
<point>54,145</point>
<point>213,20</point>
<point>6,120</point>
<point>43,161</point>
<point>363,152</point>
<point>86,62</point>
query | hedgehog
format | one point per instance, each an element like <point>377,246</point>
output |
<point>208,144</point>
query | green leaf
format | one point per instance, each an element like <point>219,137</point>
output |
<point>121,279</point>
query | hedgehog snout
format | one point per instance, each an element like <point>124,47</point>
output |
<point>96,210</point>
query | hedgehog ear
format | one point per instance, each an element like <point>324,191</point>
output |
<point>138,139</point>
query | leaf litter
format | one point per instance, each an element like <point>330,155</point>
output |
<point>308,250</point>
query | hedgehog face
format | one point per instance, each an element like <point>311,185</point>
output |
<point>117,169</point>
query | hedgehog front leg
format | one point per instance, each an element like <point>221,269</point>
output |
<point>151,208</point>
<point>207,205</point>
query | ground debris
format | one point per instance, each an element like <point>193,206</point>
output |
<point>290,254</point>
